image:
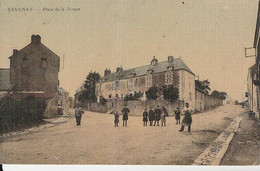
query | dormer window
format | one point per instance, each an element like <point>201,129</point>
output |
<point>131,75</point>
<point>154,61</point>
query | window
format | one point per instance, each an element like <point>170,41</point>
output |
<point>44,62</point>
<point>110,96</point>
<point>190,97</point>
<point>149,79</point>
<point>25,61</point>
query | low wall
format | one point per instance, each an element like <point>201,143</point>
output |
<point>211,102</point>
<point>136,107</point>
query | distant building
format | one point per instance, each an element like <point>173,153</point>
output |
<point>64,99</point>
<point>199,99</point>
<point>252,89</point>
<point>228,100</point>
<point>125,82</point>
<point>5,84</point>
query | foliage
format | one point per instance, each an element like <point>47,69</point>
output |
<point>152,93</point>
<point>170,93</point>
<point>219,95</point>
<point>136,96</point>
<point>203,85</point>
<point>88,94</point>
<point>15,112</point>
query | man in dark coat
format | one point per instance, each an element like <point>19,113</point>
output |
<point>151,116</point>
<point>178,116</point>
<point>187,120</point>
<point>78,114</point>
<point>145,117</point>
<point>158,113</point>
<point>125,112</point>
<point>116,119</point>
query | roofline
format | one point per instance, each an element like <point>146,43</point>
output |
<point>145,74</point>
<point>143,66</point>
<point>257,26</point>
<point>4,68</point>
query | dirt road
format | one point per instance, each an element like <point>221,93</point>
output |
<point>97,141</point>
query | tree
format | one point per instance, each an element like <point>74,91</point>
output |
<point>152,93</point>
<point>88,94</point>
<point>170,93</point>
<point>136,96</point>
<point>203,85</point>
<point>219,95</point>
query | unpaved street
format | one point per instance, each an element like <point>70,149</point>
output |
<point>97,141</point>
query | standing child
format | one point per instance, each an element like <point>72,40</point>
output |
<point>177,116</point>
<point>116,119</point>
<point>163,119</point>
<point>145,117</point>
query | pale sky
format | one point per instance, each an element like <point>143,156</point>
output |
<point>209,35</point>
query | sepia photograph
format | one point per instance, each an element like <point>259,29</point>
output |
<point>130,82</point>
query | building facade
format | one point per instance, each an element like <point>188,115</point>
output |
<point>33,72</point>
<point>253,79</point>
<point>170,72</point>
<point>35,68</point>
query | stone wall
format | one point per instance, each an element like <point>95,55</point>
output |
<point>211,102</point>
<point>136,107</point>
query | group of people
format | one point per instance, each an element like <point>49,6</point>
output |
<point>157,115</point>
<point>154,116</point>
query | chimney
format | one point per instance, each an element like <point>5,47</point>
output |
<point>107,72</point>
<point>119,69</point>
<point>15,51</point>
<point>35,39</point>
<point>154,61</point>
<point>170,58</point>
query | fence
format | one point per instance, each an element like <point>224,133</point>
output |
<point>14,113</point>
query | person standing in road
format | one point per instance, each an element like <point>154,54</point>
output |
<point>125,112</point>
<point>78,114</point>
<point>158,113</point>
<point>178,116</point>
<point>163,119</point>
<point>151,116</point>
<point>145,117</point>
<point>116,121</point>
<point>187,120</point>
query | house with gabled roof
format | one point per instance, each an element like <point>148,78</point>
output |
<point>173,71</point>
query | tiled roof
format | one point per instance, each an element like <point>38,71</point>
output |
<point>40,48</point>
<point>140,71</point>
<point>5,84</point>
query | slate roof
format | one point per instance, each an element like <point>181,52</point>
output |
<point>140,71</point>
<point>5,84</point>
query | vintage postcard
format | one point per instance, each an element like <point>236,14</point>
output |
<point>130,82</point>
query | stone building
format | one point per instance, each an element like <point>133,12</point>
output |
<point>199,99</point>
<point>253,79</point>
<point>173,71</point>
<point>34,69</point>
<point>33,72</point>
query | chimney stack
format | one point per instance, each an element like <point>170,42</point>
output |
<point>15,51</point>
<point>107,72</point>
<point>35,39</point>
<point>119,69</point>
<point>170,58</point>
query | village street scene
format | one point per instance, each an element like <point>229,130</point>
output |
<point>125,86</point>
